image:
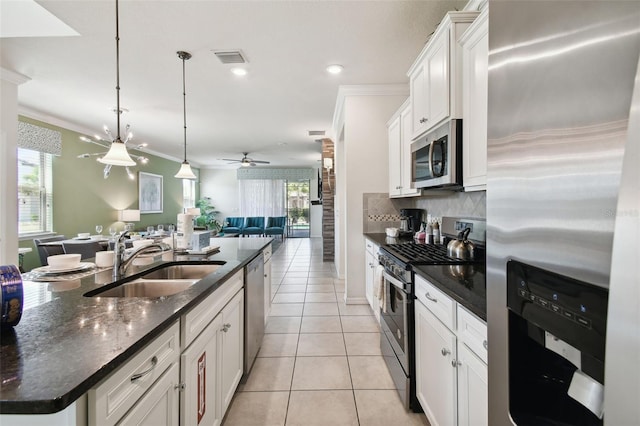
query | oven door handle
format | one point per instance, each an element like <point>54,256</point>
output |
<point>393,280</point>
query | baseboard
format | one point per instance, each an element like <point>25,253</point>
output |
<point>356,301</point>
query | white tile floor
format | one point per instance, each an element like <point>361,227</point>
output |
<point>320,361</point>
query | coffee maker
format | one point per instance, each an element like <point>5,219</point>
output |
<point>413,219</point>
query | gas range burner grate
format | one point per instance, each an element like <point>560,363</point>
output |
<point>423,254</point>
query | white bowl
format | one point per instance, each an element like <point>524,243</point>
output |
<point>64,261</point>
<point>84,235</point>
<point>392,232</point>
<point>141,243</point>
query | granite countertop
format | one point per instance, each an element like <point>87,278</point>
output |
<point>470,291</point>
<point>67,342</point>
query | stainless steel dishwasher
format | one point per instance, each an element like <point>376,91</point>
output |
<point>253,310</point>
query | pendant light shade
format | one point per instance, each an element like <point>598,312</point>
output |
<point>117,155</point>
<point>185,171</point>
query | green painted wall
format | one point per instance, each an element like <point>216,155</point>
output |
<point>82,198</point>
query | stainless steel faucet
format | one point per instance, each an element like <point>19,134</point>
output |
<point>121,262</point>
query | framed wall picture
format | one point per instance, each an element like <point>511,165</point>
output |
<point>149,192</point>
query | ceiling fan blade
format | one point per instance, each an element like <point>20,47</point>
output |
<point>261,162</point>
<point>229,159</point>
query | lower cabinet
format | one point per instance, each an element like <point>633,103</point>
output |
<point>199,372</point>
<point>159,406</point>
<point>472,389</point>
<point>231,340</point>
<point>211,367</point>
<point>436,386</point>
<point>141,388</point>
<point>370,265</point>
<point>451,367</point>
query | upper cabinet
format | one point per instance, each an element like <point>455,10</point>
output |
<point>399,131</point>
<point>475,57</point>
<point>435,77</point>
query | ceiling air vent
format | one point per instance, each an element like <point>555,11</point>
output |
<point>316,132</point>
<point>230,56</point>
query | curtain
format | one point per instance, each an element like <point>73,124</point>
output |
<point>260,197</point>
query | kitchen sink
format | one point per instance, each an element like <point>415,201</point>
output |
<point>164,281</point>
<point>178,272</point>
<point>148,288</point>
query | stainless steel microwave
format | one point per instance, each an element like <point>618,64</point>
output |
<point>436,158</point>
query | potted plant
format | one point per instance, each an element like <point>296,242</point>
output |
<point>207,218</point>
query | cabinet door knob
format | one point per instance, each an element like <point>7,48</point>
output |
<point>226,327</point>
<point>180,387</point>
<point>428,296</point>
<point>423,120</point>
<point>485,344</point>
<point>445,351</point>
<point>455,363</point>
<point>154,362</point>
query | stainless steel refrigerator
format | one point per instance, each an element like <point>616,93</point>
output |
<point>560,128</point>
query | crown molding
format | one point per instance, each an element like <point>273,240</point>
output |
<point>362,90</point>
<point>13,77</point>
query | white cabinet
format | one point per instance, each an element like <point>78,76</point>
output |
<point>159,406</point>
<point>436,385</point>
<point>211,367</point>
<point>437,65</point>
<point>451,359</point>
<point>395,165</point>
<point>472,389</point>
<point>475,59</point>
<point>435,76</point>
<point>370,264</point>
<point>267,282</point>
<point>231,341</point>
<point>134,382</point>
<point>199,372</point>
<point>399,131</point>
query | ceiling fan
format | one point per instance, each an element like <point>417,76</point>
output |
<point>246,161</point>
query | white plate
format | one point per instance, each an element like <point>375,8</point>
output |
<point>48,270</point>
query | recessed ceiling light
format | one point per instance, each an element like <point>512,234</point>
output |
<point>239,71</point>
<point>335,69</point>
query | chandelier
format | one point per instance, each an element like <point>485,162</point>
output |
<point>117,154</point>
<point>107,144</point>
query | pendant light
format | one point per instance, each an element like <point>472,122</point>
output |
<point>185,171</point>
<point>117,154</point>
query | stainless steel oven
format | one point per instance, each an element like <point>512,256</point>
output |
<point>396,339</point>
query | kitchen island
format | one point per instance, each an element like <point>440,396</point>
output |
<point>69,343</point>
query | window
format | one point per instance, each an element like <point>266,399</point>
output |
<point>188,193</point>
<point>35,192</point>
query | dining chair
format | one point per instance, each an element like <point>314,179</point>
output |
<point>276,226</point>
<point>86,249</point>
<point>233,225</point>
<point>45,251</point>
<point>253,226</point>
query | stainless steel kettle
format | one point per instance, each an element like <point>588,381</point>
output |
<point>461,248</point>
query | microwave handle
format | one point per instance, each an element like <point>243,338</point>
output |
<point>431,145</point>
